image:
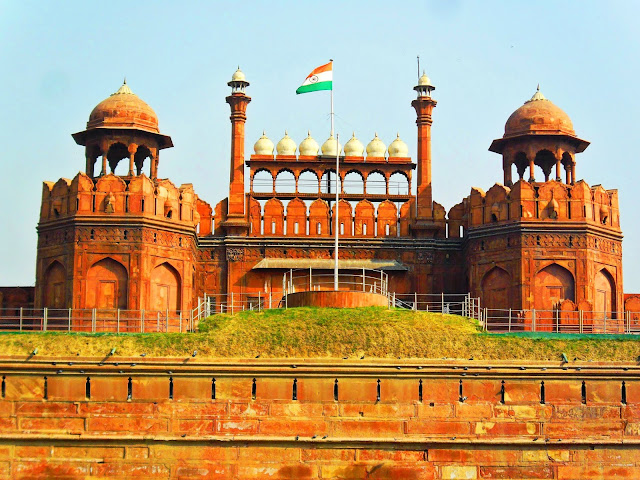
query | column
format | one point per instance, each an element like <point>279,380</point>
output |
<point>506,167</point>
<point>532,166</point>
<point>154,166</point>
<point>558,164</point>
<point>573,172</point>
<point>89,165</point>
<point>104,165</point>
<point>133,148</point>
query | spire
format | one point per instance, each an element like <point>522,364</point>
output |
<point>537,96</point>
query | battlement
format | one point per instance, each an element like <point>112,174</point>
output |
<point>124,196</point>
<point>546,202</point>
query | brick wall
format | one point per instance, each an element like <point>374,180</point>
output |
<point>120,428</point>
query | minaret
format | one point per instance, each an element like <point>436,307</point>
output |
<point>424,107</point>
<point>236,218</point>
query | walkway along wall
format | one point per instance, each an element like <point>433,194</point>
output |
<point>126,418</point>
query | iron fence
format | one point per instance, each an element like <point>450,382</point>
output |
<point>560,321</point>
<point>456,304</point>
<point>95,320</point>
<point>310,279</point>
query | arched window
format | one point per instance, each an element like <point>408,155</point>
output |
<point>376,183</point>
<point>353,183</point>
<point>398,184</point>
<point>285,182</point>
<point>328,182</point>
<point>262,182</point>
<point>308,182</point>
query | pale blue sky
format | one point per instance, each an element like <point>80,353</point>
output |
<point>59,59</point>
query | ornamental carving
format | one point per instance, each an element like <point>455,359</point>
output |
<point>425,257</point>
<point>235,254</point>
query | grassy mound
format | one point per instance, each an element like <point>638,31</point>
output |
<point>325,333</point>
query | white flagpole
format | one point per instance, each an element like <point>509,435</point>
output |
<point>335,253</point>
<point>335,271</point>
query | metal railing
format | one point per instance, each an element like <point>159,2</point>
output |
<point>95,320</point>
<point>455,304</point>
<point>360,280</point>
<point>560,321</point>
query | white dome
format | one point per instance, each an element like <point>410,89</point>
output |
<point>309,147</point>
<point>398,148</point>
<point>263,146</point>
<point>286,146</point>
<point>354,147</point>
<point>331,147</point>
<point>238,76</point>
<point>376,147</point>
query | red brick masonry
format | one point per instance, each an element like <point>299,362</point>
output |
<point>255,429</point>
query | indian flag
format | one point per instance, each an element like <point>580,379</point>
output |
<point>320,78</point>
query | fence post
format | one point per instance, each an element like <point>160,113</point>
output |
<point>44,319</point>
<point>94,320</point>
<point>415,300</point>
<point>605,322</point>
<point>269,299</point>
<point>533,319</point>
<point>69,320</point>
<point>486,319</point>
<point>286,301</point>
<point>509,319</point>
<point>442,303</point>
<point>580,321</point>
<point>291,280</point>
<point>21,317</point>
<point>166,327</point>
<point>231,303</point>
<point>627,316</point>
<point>118,321</point>
<point>180,317</point>
<point>383,290</point>
<point>142,321</point>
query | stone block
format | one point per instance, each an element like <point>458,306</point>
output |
<point>519,472</point>
<point>138,425</point>
<point>458,472</point>
<point>290,427</point>
<point>429,427</point>
<point>366,428</point>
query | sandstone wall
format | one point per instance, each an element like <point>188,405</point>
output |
<point>443,420</point>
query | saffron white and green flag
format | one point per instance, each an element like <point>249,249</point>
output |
<point>320,78</point>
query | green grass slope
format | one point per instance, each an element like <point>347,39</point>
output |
<point>331,333</point>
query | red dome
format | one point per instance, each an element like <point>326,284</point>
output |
<point>123,109</point>
<point>538,116</point>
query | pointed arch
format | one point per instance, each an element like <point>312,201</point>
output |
<point>387,219</point>
<point>496,289</point>
<point>553,284</point>
<point>107,284</point>
<point>319,218</point>
<point>55,280</point>
<point>165,288</point>
<point>296,218</point>
<point>605,294</point>
<point>273,217</point>
<point>365,219</point>
<point>345,218</point>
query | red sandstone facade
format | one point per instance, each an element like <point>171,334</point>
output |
<point>136,241</point>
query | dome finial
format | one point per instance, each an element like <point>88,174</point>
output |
<point>538,95</point>
<point>125,80</point>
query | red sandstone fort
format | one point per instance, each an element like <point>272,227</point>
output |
<point>136,241</point>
